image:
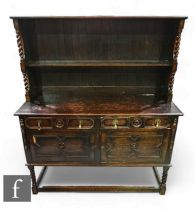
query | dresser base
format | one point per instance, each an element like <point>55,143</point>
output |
<point>161,181</point>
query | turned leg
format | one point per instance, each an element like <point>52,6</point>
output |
<point>33,178</point>
<point>163,181</point>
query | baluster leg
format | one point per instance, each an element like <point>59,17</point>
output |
<point>33,178</point>
<point>163,181</point>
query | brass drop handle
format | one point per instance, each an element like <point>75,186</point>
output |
<point>35,141</point>
<point>80,124</point>
<point>157,122</point>
<point>115,122</point>
<point>39,125</point>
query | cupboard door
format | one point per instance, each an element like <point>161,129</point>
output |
<point>137,147</point>
<point>69,147</point>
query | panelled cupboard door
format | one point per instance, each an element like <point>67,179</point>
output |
<point>139,147</point>
<point>68,147</point>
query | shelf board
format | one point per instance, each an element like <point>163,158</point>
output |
<point>69,63</point>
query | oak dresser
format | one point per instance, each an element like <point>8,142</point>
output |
<point>98,93</point>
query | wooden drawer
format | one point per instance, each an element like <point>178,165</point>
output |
<point>158,122</point>
<point>69,147</point>
<point>81,123</point>
<point>39,123</point>
<point>139,147</point>
<point>135,122</point>
<point>115,122</point>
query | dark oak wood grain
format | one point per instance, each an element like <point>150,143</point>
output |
<point>110,107</point>
<point>98,93</point>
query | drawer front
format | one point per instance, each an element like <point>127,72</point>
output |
<point>69,147</point>
<point>115,122</point>
<point>158,122</point>
<point>81,123</point>
<point>138,147</point>
<point>42,123</point>
<point>135,122</point>
<point>39,123</point>
<point>150,122</point>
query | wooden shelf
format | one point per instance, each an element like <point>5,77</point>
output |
<point>69,63</point>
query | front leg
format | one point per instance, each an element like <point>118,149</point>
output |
<point>33,178</point>
<point>163,181</point>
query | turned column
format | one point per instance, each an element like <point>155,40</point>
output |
<point>163,181</point>
<point>33,178</point>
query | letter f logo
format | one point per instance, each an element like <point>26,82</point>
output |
<point>15,188</point>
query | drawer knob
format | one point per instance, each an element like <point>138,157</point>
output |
<point>115,122</point>
<point>157,122</point>
<point>39,125</point>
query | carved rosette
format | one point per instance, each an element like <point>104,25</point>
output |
<point>175,56</point>
<point>21,50</point>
